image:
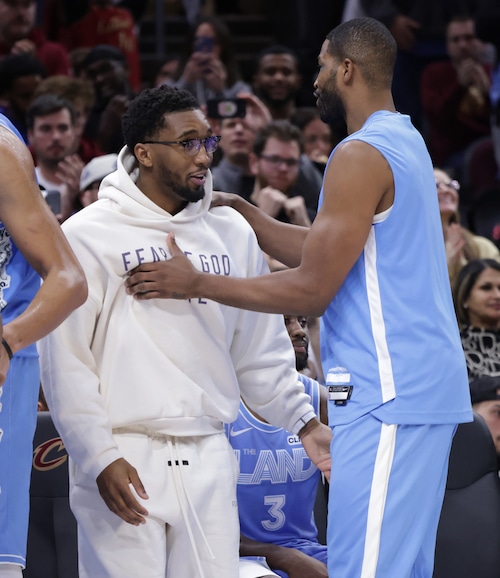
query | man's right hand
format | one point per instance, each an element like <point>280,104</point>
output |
<point>269,200</point>
<point>24,46</point>
<point>257,114</point>
<point>114,486</point>
<point>296,211</point>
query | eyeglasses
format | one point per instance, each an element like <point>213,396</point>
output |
<point>277,161</point>
<point>191,146</point>
<point>452,184</point>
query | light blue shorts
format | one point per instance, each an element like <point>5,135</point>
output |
<point>18,411</point>
<point>386,491</point>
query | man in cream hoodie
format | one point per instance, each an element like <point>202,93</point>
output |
<point>139,390</point>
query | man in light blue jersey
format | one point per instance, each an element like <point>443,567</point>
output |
<point>373,266</point>
<point>32,247</point>
<point>277,482</point>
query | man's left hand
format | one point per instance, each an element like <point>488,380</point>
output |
<point>316,441</point>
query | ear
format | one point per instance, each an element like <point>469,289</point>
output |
<point>347,69</point>
<point>143,155</point>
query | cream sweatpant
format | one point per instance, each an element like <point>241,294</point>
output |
<point>192,530</point>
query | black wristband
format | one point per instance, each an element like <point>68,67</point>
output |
<point>7,348</point>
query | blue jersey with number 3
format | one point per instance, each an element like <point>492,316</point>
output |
<point>278,482</point>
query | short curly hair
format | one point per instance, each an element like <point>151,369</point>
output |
<point>145,116</point>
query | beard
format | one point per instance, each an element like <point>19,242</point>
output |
<point>330,106</point>
<point>301,361</point>
<point>182,191</point>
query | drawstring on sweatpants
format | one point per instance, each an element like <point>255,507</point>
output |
<point>183,497</point>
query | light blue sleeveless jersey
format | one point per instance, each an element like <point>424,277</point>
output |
<point>19,282</point>
<point>392,325</point>
<point>19,393</point>
<point>277,483</point>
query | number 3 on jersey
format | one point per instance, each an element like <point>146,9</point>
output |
<point>275,512</point>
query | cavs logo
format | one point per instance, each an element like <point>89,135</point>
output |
<point>49,455</point>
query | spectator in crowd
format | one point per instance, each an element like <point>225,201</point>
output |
<point>476,294</point>
<point>18,34</point>
<point>277,483</point>
<point>275,163</point>
<point>317,136</point>
<point>211,69</point>
<point>168,71</point>
<point>455,96</point>
<point>233,173</point>
<point>105,66</point>
<point>77,58</point>
<point>301,25</point>
<point>419,29</point>
<point>487,26</point>
<point>20,75</point>
<point>106,23</point>
<point>80,92</point>
<point>58,16</point>
<point>277,80</point>
<point>241,164</point>
<point>485,397</point>
<point>51,134</point>
<point>92,175</point>
<point>461,245</point>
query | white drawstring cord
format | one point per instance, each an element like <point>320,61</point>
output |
<point>180,488</point>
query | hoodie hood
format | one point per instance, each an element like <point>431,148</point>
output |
<point>120,188</point>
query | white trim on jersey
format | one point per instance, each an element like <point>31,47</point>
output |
<point>377,319</point>
<point>378,496</point>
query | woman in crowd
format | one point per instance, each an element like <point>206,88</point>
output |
<point>476,294</point>
<point>461,245</point>
<point>317,135</point>
<point>211,70</point>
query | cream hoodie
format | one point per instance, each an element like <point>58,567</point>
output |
<point>175,367</point>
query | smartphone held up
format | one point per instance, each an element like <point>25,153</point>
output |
<point>204,44</point>
<point>226,108</point>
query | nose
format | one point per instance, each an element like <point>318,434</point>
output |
<point>296,329</point>
<point>202,157</point>
<point>278,75</point>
